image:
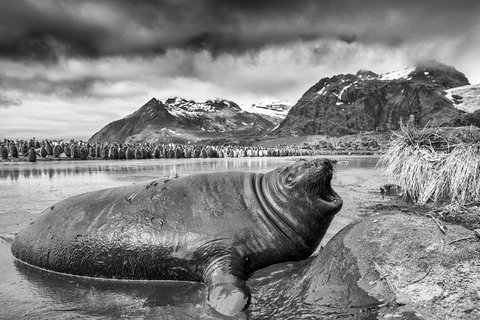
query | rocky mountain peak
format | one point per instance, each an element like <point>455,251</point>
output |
<point>177,105</point>
<point>180,120</point>
<point>431,73</point>
<point>366,74</point>
<point>366,101</point>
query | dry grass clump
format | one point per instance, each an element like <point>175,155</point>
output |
<point>435,165</point>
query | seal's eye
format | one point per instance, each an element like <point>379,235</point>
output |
<point>290,179</point>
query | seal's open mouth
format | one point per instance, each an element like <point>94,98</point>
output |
<point>326,191</point>
<point>322,178</point>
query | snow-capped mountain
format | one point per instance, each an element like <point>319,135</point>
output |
<point>431,73</point>
<point>366,101</point>
<point>182,120</point>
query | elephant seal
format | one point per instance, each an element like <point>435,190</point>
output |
<point>212,227</point>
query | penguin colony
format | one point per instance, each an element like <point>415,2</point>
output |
<point>79,150</point>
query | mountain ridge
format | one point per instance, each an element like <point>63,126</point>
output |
<point>367,101</point>
<point>180,120</point>
<point>427,93</point>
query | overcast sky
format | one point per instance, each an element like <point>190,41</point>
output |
<point>67,68</point>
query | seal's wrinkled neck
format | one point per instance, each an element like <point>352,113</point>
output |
<point>301,199</point>
<point>273,201</point>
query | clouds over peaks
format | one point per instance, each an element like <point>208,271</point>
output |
<point>44,30</point>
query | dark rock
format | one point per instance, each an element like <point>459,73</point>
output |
<point>438,75</point>
<point>390,189</point>
<point>466,119</point>
<point>403,261</point>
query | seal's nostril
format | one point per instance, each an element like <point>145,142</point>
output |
<point>327,163</point>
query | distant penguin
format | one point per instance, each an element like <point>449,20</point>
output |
<point>98,151</point>
<point>13,150</point>
<point>57,150</point>
<point>113,153</point>
<point>121,154</point>
<point>144,153</point>
<point>138,153</point>
<point>171,153</point>
<point>24,148</point>
<point>209,152</point>
<point>3,152</point>
<point>104,152</point>
<point>156,152</point>
<point>149,153</point>
<point>75,153</point>
<point>91,152</point>
<point>32,155</point>
<point>49,149</point>
<point>129,154</point>
<point>68,150</point>
<point>83,154</point>
<point>43,152</point>
<point>166,152</point>
<point>161,149</point>
<point>178,152</point>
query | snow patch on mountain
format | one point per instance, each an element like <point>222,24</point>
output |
<point>277,109</point>
<point>403,74</point>
<point>187,108</point>
<point>466,98</point>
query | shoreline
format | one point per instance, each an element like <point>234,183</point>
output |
<point>22,159</point>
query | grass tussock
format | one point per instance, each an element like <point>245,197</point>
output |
<point>438,166</point>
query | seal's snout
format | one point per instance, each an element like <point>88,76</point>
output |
<point>325,168</point>
<point>325,163</point>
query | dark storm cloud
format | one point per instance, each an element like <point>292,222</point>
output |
<point>66,88</point>
<point>47,29</point>
<point>6,102</point>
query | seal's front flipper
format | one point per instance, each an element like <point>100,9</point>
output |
<point>229,298</point>
<point>227,292</point>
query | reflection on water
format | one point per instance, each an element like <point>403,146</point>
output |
<point>28,188</point>
<point>146,167</point>
<point>163,167</point>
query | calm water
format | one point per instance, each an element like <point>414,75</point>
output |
<point>28,188</point>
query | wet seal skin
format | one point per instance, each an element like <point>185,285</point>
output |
<point>217,228</point>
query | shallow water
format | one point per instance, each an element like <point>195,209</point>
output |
<point>28,188</point>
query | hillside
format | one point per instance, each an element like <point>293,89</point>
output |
<point>366,101</point>
<point>180,120</point>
